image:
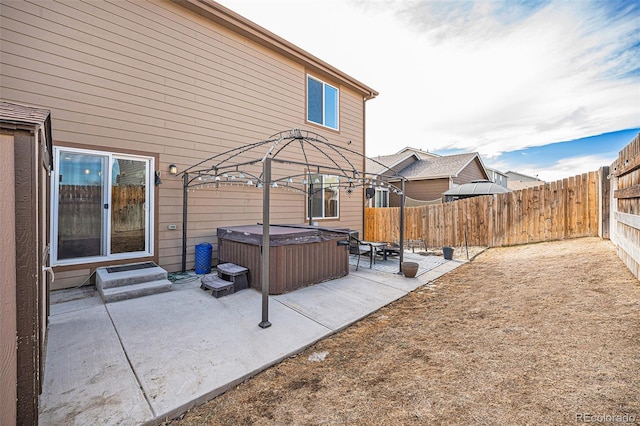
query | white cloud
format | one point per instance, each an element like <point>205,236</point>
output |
<point>487,76</point>
<point>566,167</point>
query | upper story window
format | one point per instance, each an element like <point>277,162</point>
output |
<point>322,103</point>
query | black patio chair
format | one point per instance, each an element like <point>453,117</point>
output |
<point>359,248</point>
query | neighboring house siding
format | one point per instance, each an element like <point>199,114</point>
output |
<point>473,171</point>
<point>426,190</point>
<point>153,77</point>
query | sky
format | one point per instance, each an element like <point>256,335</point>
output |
<point>546,88</point>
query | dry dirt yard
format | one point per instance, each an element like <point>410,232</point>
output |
<point>535,334</point>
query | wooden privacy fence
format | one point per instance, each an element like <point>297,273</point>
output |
<point>566,208</point>
<point>625,205</point>
<point>81,206</point>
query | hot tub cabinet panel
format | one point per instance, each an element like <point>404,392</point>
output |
<point>298,257</point>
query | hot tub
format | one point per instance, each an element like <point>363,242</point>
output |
<point>299,256</point>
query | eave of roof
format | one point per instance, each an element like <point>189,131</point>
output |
<point>14,115</point>
<point>243,26</point>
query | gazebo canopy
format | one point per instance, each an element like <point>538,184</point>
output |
<point>478,187</point>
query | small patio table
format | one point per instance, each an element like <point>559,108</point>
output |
<point>376,246</point>
<point>389,249</point>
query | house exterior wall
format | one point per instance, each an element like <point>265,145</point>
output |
<point>8,347</point>
<point>424,190</point>
<point>498,177</point>
<point>473,171</point>
<point>427,190</point>
<point>157,78</point>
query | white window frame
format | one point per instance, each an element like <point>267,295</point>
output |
<point>379,191</point>
<point>322,182</point>
<point>107,185</point>
<point>324,120</point>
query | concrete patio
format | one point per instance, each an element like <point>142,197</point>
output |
<point>146,360</point>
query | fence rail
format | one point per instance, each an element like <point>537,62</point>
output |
<point>567,208</point>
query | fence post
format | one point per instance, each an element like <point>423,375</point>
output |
<point>604,202</point>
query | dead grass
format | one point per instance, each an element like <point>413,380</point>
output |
<point>521,335</point>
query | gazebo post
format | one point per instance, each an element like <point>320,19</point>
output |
<point>402,202</point>
<point>310,201</point>
<point>266,184</point>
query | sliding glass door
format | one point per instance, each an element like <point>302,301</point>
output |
<point>128,205</point>
<point>101,206</point>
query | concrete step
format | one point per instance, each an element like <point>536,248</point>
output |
<point>116,294</point>
<point>106,279</point>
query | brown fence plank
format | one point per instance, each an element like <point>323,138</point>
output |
<point>563,209</point>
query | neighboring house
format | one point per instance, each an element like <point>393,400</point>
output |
<point>427,175</point>
<point>134,87</point>
<point>384,164</point>
<point>521,181</point>
<point>497,177</point>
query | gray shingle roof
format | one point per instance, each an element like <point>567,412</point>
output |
<point>373,167</point>
<point>20,114</point>
<point>430,168</point>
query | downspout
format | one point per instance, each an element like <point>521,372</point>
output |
<point>364,148</point>
<point>185,196</point>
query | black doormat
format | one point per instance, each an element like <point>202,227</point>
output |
<point>133,267</point>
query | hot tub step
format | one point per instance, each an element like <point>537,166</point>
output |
<point>217,285</point>
<point>238,275</point>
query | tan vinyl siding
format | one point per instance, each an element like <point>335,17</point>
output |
<point>426,190</point>
<point>155,77</point>
<point>473,171</point>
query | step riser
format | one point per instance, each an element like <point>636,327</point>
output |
<point>108,298</point>
<point>137,290</point>
<point>118,279</point>
<point>120,282</point>
<point>123,285</point>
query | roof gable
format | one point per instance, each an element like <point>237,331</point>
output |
<point>383,163</point>
<point>439,167</point>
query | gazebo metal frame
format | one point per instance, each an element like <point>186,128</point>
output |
<point>252,165</point>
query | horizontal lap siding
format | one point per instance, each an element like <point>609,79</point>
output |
<point>426,190</point>
<point>472,172</point>
<point>156,78</point>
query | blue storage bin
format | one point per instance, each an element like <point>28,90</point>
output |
<point>203,258</point>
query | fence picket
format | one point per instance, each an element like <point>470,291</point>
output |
<point>562,209</point>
